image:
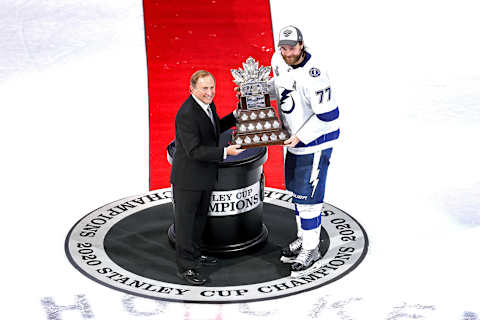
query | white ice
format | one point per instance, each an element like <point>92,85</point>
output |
<point>74,135</point>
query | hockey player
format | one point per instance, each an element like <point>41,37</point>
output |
<point>308,110</point>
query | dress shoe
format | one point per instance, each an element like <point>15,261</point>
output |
<point>208,261</point>
<point>192,276</point>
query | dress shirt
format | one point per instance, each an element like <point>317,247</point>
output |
<point>205,108</point>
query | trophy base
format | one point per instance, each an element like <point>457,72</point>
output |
<point>256,145</point>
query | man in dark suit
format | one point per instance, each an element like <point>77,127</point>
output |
<point>195,171</point>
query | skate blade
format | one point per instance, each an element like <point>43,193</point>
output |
<point>316,266</point>
<point>287,259</point>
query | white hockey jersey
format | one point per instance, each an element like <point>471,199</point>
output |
<point>305,103</point>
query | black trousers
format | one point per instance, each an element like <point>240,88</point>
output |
<point>191,210</point>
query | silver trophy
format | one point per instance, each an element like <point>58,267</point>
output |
<point>257,122</point>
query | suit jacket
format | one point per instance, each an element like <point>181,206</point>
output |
<point>197,153</point>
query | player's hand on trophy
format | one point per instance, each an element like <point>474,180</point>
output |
<point>237,92</point>
<point>292,141</point>
<point>234,149</point>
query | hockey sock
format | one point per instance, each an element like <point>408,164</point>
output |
<point>310,221</point>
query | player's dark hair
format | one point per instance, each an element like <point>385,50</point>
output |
<point>304,51</point>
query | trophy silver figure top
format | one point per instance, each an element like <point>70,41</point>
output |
<point>252,80</point>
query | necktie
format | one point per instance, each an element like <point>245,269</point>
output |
<point>210,115</point>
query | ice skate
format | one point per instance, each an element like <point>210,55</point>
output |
<point>306,262</point>
<point>289,253</point>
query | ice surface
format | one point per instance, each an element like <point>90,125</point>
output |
<point>407,80</point>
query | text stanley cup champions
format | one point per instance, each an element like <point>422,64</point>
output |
<point>257,122</point>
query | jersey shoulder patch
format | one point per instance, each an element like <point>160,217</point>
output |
<point>314,72</point>
<point>312,68</point>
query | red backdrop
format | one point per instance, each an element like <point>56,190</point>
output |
<point>185,36</point>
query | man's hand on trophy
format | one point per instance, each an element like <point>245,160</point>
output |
<point>292,141</point>
<point>234,150</point>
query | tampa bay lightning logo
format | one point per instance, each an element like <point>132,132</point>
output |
<point>287,104</point>
<point>314,72</point>
<point>287,32</point>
